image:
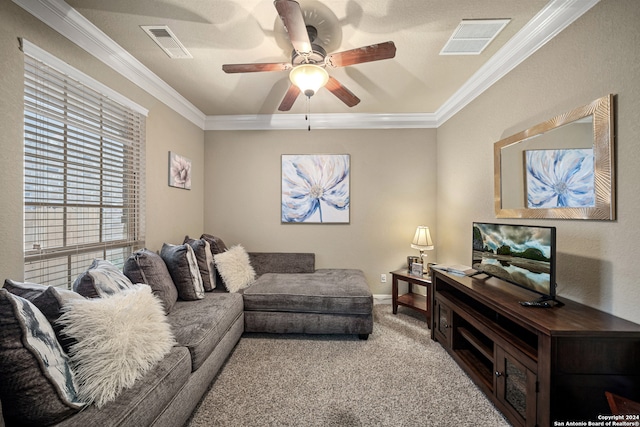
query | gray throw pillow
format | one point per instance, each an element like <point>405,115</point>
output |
<point>183,267</point>
<point>202,250</point>
<point>37,385</point>
<point>26,290</point>
<point>49,300</point>
<point>216,243</point>
<point>217,247</point>
<point>101,279</point>
<point>145,266</point>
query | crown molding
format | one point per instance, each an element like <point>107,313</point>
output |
<point>71,24</point>
<point>551,20</point>
<point>321,121</point>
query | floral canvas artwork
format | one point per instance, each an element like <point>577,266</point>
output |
<point>315,188</point>
<point>560,178</point>
<point>179,171</point>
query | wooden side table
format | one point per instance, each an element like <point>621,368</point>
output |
<point>412,300</point>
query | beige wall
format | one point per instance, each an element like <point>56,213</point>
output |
<point>171,212</point>
<point>392,192</point>
<point>595,56</point>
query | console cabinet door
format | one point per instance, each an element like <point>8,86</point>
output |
<point>516,387</point>
<point>442,323</point>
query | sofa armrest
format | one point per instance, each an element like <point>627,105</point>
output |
<point>282,262</point>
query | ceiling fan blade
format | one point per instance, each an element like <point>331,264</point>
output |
<point>289,98</point>
<point>252,68</point>
<point>374,52</point>
<point>293,20</point>
<point>343,94</point>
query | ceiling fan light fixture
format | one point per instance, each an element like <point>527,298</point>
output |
<point>309,78</point>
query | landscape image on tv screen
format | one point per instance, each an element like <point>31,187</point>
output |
<point>520,254</point>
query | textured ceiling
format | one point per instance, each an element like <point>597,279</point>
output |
<point>216,32</point>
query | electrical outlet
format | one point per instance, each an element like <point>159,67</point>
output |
<point>383,278</point>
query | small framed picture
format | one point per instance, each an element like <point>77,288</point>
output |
<point>179,171</point>
<point>411,260</point>
<point>416,268</point>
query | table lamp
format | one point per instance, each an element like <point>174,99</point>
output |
<point>422,242</point>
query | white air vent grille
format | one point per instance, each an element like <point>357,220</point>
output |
<point>472,36</point>
<point>164,37</point>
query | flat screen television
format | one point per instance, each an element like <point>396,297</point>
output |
<point>524,255</point>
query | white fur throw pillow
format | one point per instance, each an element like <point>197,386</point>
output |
<point>118,338</point>
<point>235,268</point>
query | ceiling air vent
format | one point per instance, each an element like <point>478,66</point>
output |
<point>472,36</point>
<point>164,37</point>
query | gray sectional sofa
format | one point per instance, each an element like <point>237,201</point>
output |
<point>206,332</point>
<point>289,296</point>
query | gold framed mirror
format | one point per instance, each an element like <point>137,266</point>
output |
<point>562,168</point>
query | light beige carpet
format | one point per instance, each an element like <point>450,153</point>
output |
<point>399,377</point>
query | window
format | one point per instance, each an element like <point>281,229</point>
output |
<point>83,175</point>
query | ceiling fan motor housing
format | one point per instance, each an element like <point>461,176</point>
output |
<point>316,56</point>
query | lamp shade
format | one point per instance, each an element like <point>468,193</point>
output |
<point>309,78</point>
<point>422,240</point>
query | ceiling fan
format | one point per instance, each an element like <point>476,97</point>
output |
<point>309,60</point>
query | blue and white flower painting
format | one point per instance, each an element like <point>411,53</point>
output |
<point>560,178</point>
<point>315,188</point>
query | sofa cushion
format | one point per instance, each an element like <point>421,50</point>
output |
<point>325,291</point>
<point>143,403</point>
<point>183,267</point>
<point>37,386</point>
<point>235,268</point>
<point>199,325</point>
<point>118,338</point>
<point>202,250</point>
<point>145,266</point>
<point>49,301</point>
<point>101,278</point>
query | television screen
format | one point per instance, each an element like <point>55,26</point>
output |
<point>521,254</point>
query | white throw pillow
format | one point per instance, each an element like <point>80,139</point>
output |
<point>235,269</point>
<point>118,339</point>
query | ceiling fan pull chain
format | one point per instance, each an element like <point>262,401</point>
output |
<point>307,116</point>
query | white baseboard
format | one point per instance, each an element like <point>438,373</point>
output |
<point>382,299</point>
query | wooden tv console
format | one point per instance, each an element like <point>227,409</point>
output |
<point>539,366</point>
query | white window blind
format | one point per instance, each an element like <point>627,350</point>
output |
<point>83,176</point>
